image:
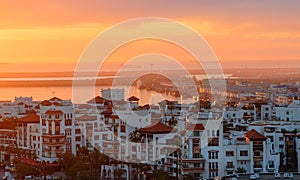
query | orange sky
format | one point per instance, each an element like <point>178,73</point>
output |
<point>41,32</point>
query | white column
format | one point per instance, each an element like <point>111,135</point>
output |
<point>190,148</point>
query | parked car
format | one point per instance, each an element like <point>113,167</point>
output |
<point>285,175</point>
<point>291,175</point>
<point>257,176</point>
<point>277,175</point>
<point>252,176</point>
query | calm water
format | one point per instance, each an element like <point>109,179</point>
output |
<point>65,92</point>
<point>42,93</point>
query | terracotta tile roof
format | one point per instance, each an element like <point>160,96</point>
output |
<point>36,163</point>
<point>85,106</point>
<point>254,135</point>
<point>107,111</point>
<point>57,104</point>
<point>133,98</point>
<point>163,102</point>
<point>194,127</point>
<point>31,118</point>
<point>86,118</point>
<point>54,112</point>
<point>46,103</point>
<point>157,127</point>
<point>97,100</point>
<point>55,99</point>
<point>20,103</point>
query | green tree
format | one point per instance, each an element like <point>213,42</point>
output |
<point>160,174</point>
<point>44,169</point>
<point>23,169</point>
<point>75,169</point>
<point>241,170</point>
<point>134,136</point>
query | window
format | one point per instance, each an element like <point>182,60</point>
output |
<point>213,165</point>
<point>196,148</point>
<point>213,154</point>
<point>196,133</point>
<point>68,122</point>
<point>68,148</point>
<point>243,153</point>
<point>44,122</point>
<point>229,153</point>
<point>77,131</point>
<point>68,140</point>
<point>243,162</point>
<point>229,165</point>
<point>56,116</point>
<point>213,141</point>
<point>256,153</point>
<point>97,137</point>
<point>78,138</point>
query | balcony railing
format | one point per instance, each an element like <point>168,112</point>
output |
<point>257,166</point>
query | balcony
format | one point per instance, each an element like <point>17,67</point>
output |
<point>55,143</point>
<point>46,135</point>
<point>258,157</point>
<point>258,147</point>
<point>186,159</point>
<point>192,169</point>
<point>257,167</point>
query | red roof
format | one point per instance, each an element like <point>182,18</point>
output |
<point>84,106</point>
<point>254,135</point>
<point>107,111</point>
<point>157,127</point>
<point>57,104</point>
<point>133,98</point>
<point>194,127</point>
<point>36,163</point>
<point>54,112</point>
<point>86,118</point>
<point>46,103</point>
<point>55,99</point>
<point>20,103</point>
<point>31,118</point>
<point>97,100</point>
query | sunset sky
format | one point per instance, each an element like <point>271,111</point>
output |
<point>47,35</point>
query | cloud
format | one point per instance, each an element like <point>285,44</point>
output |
<point>46,33</point>
<point>274,35</point>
